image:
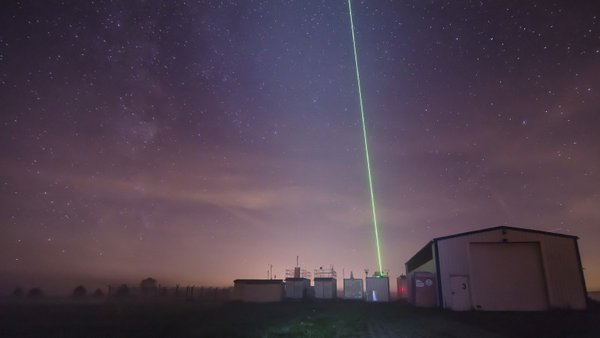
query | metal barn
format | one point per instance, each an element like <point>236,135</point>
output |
<point>500,269</point>
<point>258,290</point>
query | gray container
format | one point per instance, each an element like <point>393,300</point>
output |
<point>353,289</point>
<point>296,288</point>
<point>378,289</point>
<point>325,288</point>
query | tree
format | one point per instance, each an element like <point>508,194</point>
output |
<point>122,291</point>
<point>163,291</point>
<point>35,293</point>
<point>149,287</point>
<point>19,293</point>
<point>79,292</point>
<point>98,294</point>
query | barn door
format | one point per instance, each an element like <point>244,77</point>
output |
<point>508,277</point>
<point>460,295</point>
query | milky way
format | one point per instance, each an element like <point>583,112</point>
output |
<point>199,142</point>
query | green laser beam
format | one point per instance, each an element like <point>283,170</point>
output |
<point>364,128</point>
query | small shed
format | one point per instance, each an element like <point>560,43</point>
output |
<point>297,283</point>
<point>296,288</point>
<point>325,288</point>
<point>353,288</point>
<point>501,269</point>
<point>401,284</point>
<point>378,288</point>
<point>325,283</point>
<point>258,290</point>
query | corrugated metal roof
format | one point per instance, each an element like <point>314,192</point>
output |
<point>258,281</point>
<point>421,257</point>
<point>504,227</point>
<point>296,279</point>
<point>426,253</point>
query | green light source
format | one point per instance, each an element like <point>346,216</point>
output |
<point>364,128</point>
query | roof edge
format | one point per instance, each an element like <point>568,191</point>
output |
<point>505,227</point>
<point>258,281</point>
<point>417,258</point>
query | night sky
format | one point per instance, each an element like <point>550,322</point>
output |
<point>198,142</point>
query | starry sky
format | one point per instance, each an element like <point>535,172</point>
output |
<point>200,141</point>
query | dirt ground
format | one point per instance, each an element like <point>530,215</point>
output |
<point>288,319</point>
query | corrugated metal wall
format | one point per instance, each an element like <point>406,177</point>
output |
<point>507,276</point>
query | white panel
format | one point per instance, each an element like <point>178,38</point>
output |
<point>507,277</point>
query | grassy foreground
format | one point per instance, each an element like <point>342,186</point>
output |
<point>310,319</point>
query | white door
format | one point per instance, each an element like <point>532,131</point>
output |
<point>460,296</point>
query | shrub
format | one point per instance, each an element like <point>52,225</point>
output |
<point>123,291</point>
<point>98,294</point>
<point>79,292</point>
<point>149,287</point>
<point>35,293</point>
<point>19,293</point>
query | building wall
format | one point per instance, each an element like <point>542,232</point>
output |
<point>503,276</point>
<point>353,288</point>
<point>259,293</point>
<point>325,288</point>
<point>559,259</point>
<point>378,289</point>
<point>402,287</point>
<point>296,288</point>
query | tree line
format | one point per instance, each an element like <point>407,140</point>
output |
<point>148,288</point>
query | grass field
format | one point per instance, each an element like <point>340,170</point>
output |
<point>309,319</point>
